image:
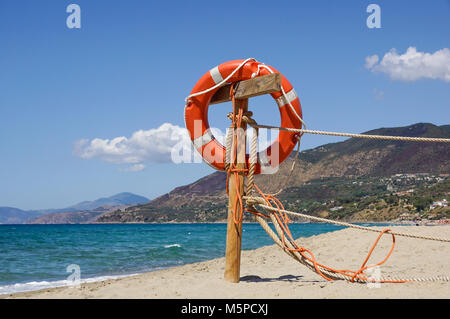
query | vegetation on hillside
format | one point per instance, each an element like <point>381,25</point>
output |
<point>354,180</point>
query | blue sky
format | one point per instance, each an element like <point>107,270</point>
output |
<point>132,63</point>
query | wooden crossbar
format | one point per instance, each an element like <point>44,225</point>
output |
<point>249,88</point>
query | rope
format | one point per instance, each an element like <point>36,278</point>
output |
<point>286,241</point>
<point>295,255</point>
<point>279,218</point>
<point>280,221</point>
<point>282,91</point>
<point>368,136</point>
<point>232,169</point>
<point>221,82</point>
<point>228,144</point>
<point>247,117</point>
<point>259,200</point>
<point>252,162</point>
<point>306,257</point>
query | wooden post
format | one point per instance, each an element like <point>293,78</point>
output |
<point>234,231</point>
<point>265,84</point>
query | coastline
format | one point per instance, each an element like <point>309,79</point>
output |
<point>267,272</point>
<point>393,222</point>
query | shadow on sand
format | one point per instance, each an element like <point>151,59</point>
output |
<point>286,278</point>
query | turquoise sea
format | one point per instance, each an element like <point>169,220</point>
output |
<point>37,256</point>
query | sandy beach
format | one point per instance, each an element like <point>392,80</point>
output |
<point>268,272</point>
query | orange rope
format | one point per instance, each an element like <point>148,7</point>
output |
<point>237,213</point>
<point>283,221</point>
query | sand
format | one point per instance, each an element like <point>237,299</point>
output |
<point>268,272</point>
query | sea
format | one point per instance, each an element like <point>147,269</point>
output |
<point>36,257</point>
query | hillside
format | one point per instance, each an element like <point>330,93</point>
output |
<point>84,212</point>
<point>344,162</point>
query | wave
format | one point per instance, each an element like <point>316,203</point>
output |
<point>172,245</point>
<point>38,285</point>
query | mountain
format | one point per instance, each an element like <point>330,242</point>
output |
<point>115,200</point>
<point>205,200</point>
<point>83,212</point>
<point>11,215</point>
<point>77,217</point>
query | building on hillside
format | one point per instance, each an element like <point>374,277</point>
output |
<point>439,203</point>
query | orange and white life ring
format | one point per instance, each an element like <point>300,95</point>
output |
<point>196,115</point>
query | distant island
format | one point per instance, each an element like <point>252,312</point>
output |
<point>84,212</point>
<point>357,180</point>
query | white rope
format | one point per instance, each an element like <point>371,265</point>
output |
<point>221,82</point>
<point>282,91</point>
<point>259,201</point>
<point>262,65</point>
<point>378,137</point>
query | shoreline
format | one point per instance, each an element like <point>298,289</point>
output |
<point>224,222</point>
<point>267,272</point>
<point>40,284</point>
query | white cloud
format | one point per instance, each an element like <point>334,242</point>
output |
<point>153,146</point>
<point>371,61</point>
<point>412,65</point>
<point>165,144</point>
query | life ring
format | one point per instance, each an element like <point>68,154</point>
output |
<point>196,115</point>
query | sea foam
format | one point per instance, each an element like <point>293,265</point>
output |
<point>39,285</point>
<point>172,245</point>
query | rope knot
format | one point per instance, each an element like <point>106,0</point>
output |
<point>251,201</point>
<point>246,117</point>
